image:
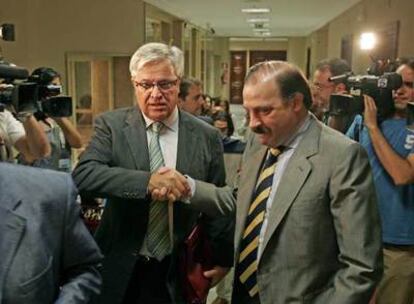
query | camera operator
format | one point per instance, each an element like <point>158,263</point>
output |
<point>323,88</point>
<point>26,136</point>
<point>390,146</point>
<point>60,131</point>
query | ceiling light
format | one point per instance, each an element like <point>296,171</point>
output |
<point>260,30</point>
<point>259,25</point>
<point>262,34</point>
<point>256,10</point>
<point>258,20</point>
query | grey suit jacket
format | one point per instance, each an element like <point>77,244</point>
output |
<point>116,166</point>
<point>323,241</point>
<point>47,254</point>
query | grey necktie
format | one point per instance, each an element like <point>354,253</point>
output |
<point>158,241</point>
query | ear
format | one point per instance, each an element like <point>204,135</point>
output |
<point>297,102</point>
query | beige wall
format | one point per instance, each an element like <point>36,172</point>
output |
<point>48,29</point>
<point>265,45</point>
<point>296,52</point>
<point>318,43</point>
<point>368,15</point>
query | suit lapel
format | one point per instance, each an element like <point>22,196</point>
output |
<point>136,137</point>
<point>12,227</point>
<point>187,144</point>
<point>245,189</point>
<point>293,179</point>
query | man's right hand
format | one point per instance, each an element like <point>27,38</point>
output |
<point>168,185</point>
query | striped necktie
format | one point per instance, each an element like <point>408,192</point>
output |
<point>158,240</point>
<point>247,264</point>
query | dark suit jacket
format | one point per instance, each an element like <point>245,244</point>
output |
<point>116,166</point>
<point>47,254</point>
<point>323,239</point>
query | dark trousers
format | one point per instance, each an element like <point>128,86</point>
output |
<point>148,283</point>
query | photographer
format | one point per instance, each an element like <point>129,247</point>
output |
<point>26,136</point>
<point>390,146</point>
<point>323,88</point>
<point>60,132</point>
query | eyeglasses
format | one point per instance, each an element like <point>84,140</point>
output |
<point>409,84</point>
<point>163,85</point>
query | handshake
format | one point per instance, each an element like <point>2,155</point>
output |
<point>168,185</point>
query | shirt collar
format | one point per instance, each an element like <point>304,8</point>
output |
<point>171,122</point>
<point>294,140</point>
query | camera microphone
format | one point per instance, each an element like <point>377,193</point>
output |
<point>13,72</point>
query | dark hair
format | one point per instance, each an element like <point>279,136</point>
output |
<point>185,85</point>
<point>336,66</point>
<point>225,116</point>
<point>406,61</point>
<point>44,75</point>
<point>288,78</point>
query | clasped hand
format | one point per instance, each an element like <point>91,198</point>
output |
<point>168,185</point>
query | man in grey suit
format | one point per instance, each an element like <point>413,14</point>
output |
<point>139,237</point>
<point>307,225</point>
<point>47,254</point>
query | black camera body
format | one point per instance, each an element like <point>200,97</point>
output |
<point>26,95</point>
<point>380,88</point>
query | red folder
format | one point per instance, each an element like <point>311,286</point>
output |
<point>196,258</point>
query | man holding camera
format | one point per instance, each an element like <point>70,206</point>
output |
<point>323,88</point>
<point>25,135</point>
<point>390,146</point>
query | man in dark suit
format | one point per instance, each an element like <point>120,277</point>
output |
<point>139,237</point>
<point>47,254</point>
<point>307,225</point>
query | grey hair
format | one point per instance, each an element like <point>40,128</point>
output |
<point>288,78</point>
<point>155,51</point>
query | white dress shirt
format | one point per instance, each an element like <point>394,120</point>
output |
<point>169,143</point>
<point>282,162</point>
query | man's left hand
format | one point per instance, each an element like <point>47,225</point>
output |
<point>370,113</point>
<point>216,274</point>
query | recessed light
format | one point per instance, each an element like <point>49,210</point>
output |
<point>256,10</point>
<point>259,25</point>
<point>262,34</point>
<point>258,20</point>
<point>260,30</point>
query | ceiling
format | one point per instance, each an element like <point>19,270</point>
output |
<point>286,17</point>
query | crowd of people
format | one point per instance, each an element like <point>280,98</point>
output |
<point>309,207</point>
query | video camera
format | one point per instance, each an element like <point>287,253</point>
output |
<point>380,88</point>
<point>26,95</point>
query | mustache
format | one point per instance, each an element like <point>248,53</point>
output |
<point>259,130</point>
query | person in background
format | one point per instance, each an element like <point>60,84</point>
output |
<point>323,88</point>
<point>60,131</point>
<point>223,122</point>
<point>390,148</point>
<point>206,109</point>
<point>191,98</point>
<point>20,131</point>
